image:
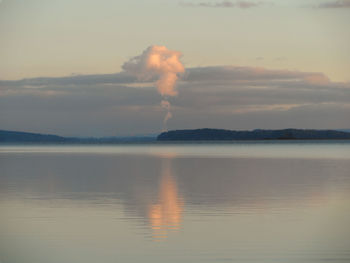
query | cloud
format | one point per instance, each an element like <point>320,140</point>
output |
<point>73,80</point>
<point>161,63</point>
<point>335,4</point>
<point>254,76</point>
<point>229,97</point>
<point>157,62</point>
<point>212,74</point>
<point>224,4</point>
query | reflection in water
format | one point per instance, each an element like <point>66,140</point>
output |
<point>90,208</point>
<point>166,214</point>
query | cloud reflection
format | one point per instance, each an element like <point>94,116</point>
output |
<point>166,213</point>
<point>149,191</point>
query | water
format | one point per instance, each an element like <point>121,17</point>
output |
<point>240,202</point>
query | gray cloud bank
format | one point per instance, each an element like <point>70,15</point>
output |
<point>223,4</point>
<point>335,4</point>
<point>220,96</point>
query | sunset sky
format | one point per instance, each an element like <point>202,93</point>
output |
<point>248,64</point>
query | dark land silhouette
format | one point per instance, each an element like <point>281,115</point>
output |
<point>16,137</point>
<point>229,135</point>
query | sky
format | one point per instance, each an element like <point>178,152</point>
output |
<point>248,64</point>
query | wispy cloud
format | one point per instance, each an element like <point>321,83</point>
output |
<point>213,74</point>
<point>224,4</point>
<point>335,4</point>
<point>121,78</point>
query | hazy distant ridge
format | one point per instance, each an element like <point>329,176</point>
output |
<point>27,137</point>
<point>15,136</point>
<point>227,135</point>
<point>180,135</point>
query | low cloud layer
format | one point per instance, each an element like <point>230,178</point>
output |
<point>223,4</point>
<point>222,96</point>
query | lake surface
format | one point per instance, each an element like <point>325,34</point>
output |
<point>238,202</point>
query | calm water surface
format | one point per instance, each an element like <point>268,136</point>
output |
<point>241,202</point>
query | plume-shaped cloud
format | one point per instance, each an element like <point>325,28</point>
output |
<point>160,63</point>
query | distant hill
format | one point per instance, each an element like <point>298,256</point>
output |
<point>20,137</point>
<point>11,137</point>
<point>344,130</point>
<point>15,137</point>
<point>228,135</point>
